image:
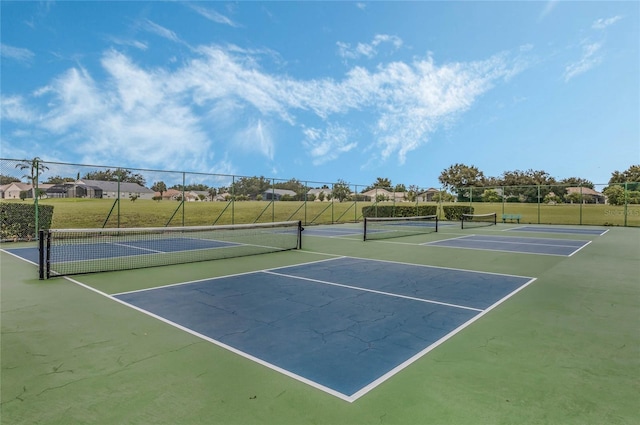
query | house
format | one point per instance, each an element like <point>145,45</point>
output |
<point>110,189</point>
<point>427,195</point>
<point>13,190</point>
<point>380,194</point>
<point>327,194</point>
<point>72,190</point>
<point>589,196</point>
<point>277,194</point>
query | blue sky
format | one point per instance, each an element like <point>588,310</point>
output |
<point>321,91</point>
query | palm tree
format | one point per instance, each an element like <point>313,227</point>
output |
<point>35,167</point>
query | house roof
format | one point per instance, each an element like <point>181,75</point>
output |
<point>108,186</point>
<point>583,190</point>
<point>281,192</point>
<point>317,191</point>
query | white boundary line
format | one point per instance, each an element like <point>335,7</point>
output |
<point>357,288</point>
<point>448,336</point>
<point>437,244</point>
<point>556,230</point>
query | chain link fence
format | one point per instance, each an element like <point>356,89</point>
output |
<point>93,196</point>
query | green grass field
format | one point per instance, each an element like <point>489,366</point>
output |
<point>565,350</point>
<point>88,213</point>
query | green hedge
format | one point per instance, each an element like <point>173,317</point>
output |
<point>17,220</point>
<point>399,210</point>
<point>454,212</point>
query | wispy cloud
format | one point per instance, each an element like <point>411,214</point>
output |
<point>14,109</point>
<point>602,23</point>
<point>256,138</point>
<point>325,145</point>
<point>548,8</point>
<point>159,30</point>
<point>368,50</point>
<point>16,53</point>
<point>213,15</point>
<point>184,117</point>
<point>590,58</point>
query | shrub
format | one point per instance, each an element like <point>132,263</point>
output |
<point>399,210</point>
<point>17,221</point>
<point>454,212</point>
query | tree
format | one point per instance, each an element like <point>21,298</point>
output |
<point>58,180</point>
<point>380,183</point>
<point>527,186</point>
<point>212,193</point>
<point>250,187</point>
<point>490,195</point>
<point>7,179</point>
<point>341,190</point>
<point>159,187</point>
<point>577,182</point>
<point>614,194</point>
<point>119,174</point>
<point>35,167</point>
<point>630,175</point>
<point>460,175</point>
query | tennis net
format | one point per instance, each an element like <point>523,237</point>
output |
<point>478,220</point>
<point>79,251</point>
<point>393,227</point>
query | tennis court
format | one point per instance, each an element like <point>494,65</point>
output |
<point>410,327</point>
<point>340,324</point>
<point>542,246</point>
<point>560,230</point>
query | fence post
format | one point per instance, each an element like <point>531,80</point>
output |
<point>626,203</point>
<point>118,199</point>
<point>581,203</point>
<point>538,204</point>
<point>35,197</point>
<point>184,199</point>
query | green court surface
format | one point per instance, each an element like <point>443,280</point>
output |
<point>563,350</point>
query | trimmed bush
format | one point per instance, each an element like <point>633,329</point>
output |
<point>17,220</point>
<point>399,210</point>
<point>454,212</point>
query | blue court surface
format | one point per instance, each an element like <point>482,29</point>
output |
<point>545,246</point>
<point>342,325</point>
<point>561,230</point>
<point>93,251</point>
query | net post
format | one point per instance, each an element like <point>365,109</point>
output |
<point>364,238</point>
<point>41,265</point>
<point>495,219</point>
<point>47,255</point>
<point>300,229</point>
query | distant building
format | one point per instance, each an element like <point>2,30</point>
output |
<point>277,194</point>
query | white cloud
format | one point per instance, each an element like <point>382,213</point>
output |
<point>368,50</point>
<point>328,144</point>
<point>13,109</point>
<point>589,59</point>
<point>16,53</point>
<point>159,30</point>
<point>170,118</point>
<point>256,138</point>
<point>548,8</point>
<point>212,15</point>
<point>601,24</point>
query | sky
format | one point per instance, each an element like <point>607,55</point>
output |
<point>324,91</point>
